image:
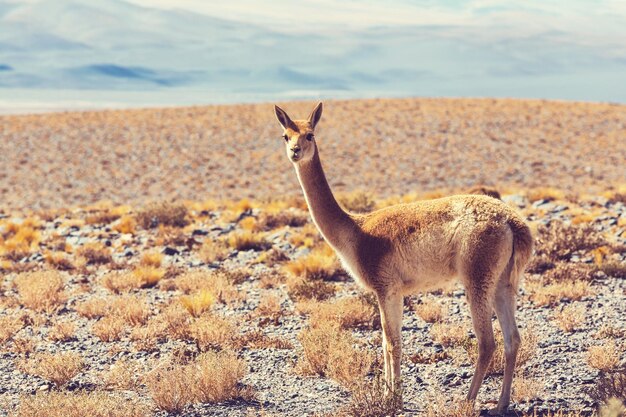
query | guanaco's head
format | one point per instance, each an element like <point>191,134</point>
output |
<point>299,135</point>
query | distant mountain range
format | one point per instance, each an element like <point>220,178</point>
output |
<point>50,47</point>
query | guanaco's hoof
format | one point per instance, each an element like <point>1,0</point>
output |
<point>497,411</point>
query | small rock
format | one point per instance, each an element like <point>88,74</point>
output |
<point>169,251</point>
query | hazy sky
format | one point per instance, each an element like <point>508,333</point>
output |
<point>240,50</point>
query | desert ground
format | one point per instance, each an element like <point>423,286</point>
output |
<point>162,262</point>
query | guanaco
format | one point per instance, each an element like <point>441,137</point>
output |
<point>413,247</point>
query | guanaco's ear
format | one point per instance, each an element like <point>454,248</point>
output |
<point>316,115</point>
<point>283,118</point>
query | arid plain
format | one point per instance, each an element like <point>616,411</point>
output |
<point>162,261</point>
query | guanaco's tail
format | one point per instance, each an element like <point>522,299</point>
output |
<point>522,249</point>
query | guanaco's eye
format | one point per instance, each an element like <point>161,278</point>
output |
<point>309,137</point>
<point>286,138</point>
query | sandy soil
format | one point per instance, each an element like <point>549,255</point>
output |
<point>386,146</point>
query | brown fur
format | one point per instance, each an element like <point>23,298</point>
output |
<point>408,248</point>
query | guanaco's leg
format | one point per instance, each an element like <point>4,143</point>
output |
<point>481,312</point>
<point>505,305</point>
<point>391,322</point>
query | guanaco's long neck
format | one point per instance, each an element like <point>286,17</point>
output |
<point>332,221</point>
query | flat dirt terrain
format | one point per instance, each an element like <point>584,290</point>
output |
<point>163,262</point>
<point>386,147</point>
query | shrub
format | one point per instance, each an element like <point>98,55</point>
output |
<point>563,271</point>
<point>570,318</point>
<point>371,399</point>
<point>153,259</point>
<point>9,326</point>
<point>558,241</point>
<point>108,329</point>
<point>551,294</point>
<point>319,265</point>
<point>93,308</point>
<point>438,405</point>
<point>248,240</point>
<point>357,201</point>
<point>122,375</point>
<point>213,332</point>
<point>449,334</point>
<point>217,376</point>
<point>429,310</point>
<point>299,289</point>
<point>291,218</point>
<point>213,377</point>
<point>350,312</point>
<point>95,254</point>
<point>148,276</point>
<point>330,351</point>
<point>198,303</point>
<point>80,404</point>
<point>57,368</point>
<point>171,388</point>
<point>41,291</point>
<point>59,260</point>
<point>526,389</point>
<point>166,214</point>
<point>218,283</point>
<point>604,357</point>
<point>213,251</point>
<point>62,331</point>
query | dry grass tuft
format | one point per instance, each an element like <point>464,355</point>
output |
<point>213,377</point>
<point>165,214</point>
<point>153,259</point>
<point>439,405</point>
<point>213,332</point>
<point>357,201</point>
<point>57,368</point>
<point>605,357</point>
<point>147,276</point>
<point>330,351</point>
<point>551,294</point>
<point>62,331</point>
<point>269,307</point>
<point>122,375</point>
<point>93,308</point>
<point>371,399</point>
<point>41,290</point>
<point>198,303</point>
<point>125,225</point>
<point>95,254</point>
<point>217,376</point>
<point>526,389</point>
<point>449,334</point>
<point>350,312</point>
<point>219,283</point>
<point>431,311</point>
<point>299,289</point>
<point>292,218</point>
<point>558,241</point>
<point>109,329</point>
<point>59,260</point>
<point>9,326</point>
<point>570,318</point>
<point>118,282</point>
<point>213,251</point>
<point>319,265</point>
<point>80,404</point>
<point>248,240</point>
